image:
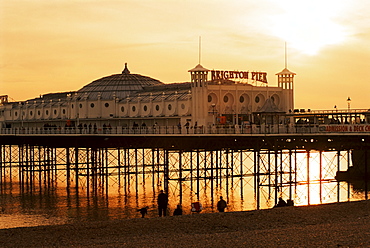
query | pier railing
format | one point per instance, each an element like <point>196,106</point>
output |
<point>201,130</point>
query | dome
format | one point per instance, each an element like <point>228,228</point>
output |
<point>119,85</point>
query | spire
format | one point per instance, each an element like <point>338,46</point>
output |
<point>126,70</point>
<point>200,43</point>
<point>286,58</point>
<point>285,71</point>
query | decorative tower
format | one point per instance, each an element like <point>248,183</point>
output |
<point>199,78</point>
<point>286,81</point>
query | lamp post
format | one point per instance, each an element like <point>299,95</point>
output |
<point>349,103</point>
<point>213,113</point>
<point>349,107</point>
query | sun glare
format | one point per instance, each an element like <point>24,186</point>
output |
<point>308,26</point>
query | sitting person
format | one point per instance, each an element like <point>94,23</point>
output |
<point>281,203</point>
<point>178,211</point>
<point>290,202</point>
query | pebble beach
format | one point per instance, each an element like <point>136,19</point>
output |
<point>331,225</point>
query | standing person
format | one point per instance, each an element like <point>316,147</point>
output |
<point>179,127</point>
<point>221,205</point>
<point>162,203</point>
<point>187,124</point>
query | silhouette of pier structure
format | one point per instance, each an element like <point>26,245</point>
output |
<point>272,162</point>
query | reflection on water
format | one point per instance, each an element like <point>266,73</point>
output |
<point>27,220</point>
<point>61,197</point>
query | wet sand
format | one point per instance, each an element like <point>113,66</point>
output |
<point>331,225</point>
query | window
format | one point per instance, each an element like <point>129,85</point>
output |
<point>80,105</point>
<point>209,98</point>
<point>145,108</point>
<point>226,98</point>
<point>257,99</point>
<point>169,106</point>
<point>241,99</point>
<point>122,109</point>
<point>106,105</point>
<point>133,108</point>
<point>47,112</point>
<point>157,107</point>
<point>183,106</point>
<point>92,105</point>
<point>64,111</point>
<point>55,111</point>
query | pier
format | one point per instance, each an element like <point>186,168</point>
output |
<point>273,162</point>
<point>196,140</point>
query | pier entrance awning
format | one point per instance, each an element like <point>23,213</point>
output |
<point>268,114</point>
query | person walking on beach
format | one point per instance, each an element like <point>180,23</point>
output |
<point>162,203</point>
<point>221,205</point>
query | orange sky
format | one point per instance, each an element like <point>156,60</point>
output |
<point>61,45</point>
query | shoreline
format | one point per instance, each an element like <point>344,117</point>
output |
<point>334,224</point>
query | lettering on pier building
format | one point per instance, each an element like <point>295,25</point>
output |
<point>339,129</point>
<point>258,76</point>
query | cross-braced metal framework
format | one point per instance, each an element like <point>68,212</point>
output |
<point>255,177</point>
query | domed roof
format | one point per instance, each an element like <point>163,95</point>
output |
<point>118,85</point>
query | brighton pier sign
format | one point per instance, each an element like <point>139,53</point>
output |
<point>257,76</point>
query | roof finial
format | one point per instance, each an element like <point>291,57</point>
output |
<point>126,70</point>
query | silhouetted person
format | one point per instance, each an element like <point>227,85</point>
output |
<point>179,127</point>
<point>162,203</point>
<point>178,210</point>
<point>143,128</point>
<point>143,211</point>
<point>281,203</point>
<point>187,124</point>
<point>95,128</point>
<point>290,202</point>
<point>221,205</point>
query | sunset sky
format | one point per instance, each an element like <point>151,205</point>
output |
<point>61,45</point>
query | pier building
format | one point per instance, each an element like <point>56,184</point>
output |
<point>212,97</point>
